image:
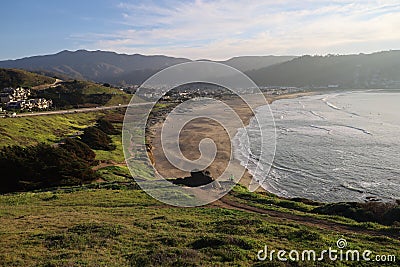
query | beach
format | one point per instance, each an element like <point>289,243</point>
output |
<point>199,129</point>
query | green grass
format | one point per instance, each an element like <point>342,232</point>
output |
<point>115,174</point>
<point>116,155</point>
<point>47,129</point>
<point>100,227</point>
<point>118,99</point>
<point>270,201</point>
<point>89,88</point>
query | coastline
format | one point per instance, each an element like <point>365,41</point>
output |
<point>204,128</point>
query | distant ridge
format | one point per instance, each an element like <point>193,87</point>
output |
<point>91,65</point>
<point>377,70</point>
<point>102,66</point>
<point>247,63</point>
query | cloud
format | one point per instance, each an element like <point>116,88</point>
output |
<point>222,28</point>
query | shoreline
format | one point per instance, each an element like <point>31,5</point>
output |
<point>206,128</point>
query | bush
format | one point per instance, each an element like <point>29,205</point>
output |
<point>80,149</point>
<point>41,166</point>
<point>97,139</point>
<point>106,126</point>
<point>383,213</point>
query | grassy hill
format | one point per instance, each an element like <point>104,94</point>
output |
<point>77,94</point>
<point>16,77</point>
<point>65,94</point>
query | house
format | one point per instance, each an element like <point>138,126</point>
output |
<point>18,99</point>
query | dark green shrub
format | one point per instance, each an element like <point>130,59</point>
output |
<point>80,149</point>
<point>384,213</point>
<point>107,127</point>
<point>97,139</point>
<point>41,166</point>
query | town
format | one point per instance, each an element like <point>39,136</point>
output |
<point>18,99</point>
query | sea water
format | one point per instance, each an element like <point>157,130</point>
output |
<point>342,146</point>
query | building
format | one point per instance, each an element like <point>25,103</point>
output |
<point>18,99</point>
<point>11,94</point>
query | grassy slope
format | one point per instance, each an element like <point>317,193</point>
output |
<point>51,129</point>
<point>48,129</point>
<point>83,93</point>
<point>126,227</point>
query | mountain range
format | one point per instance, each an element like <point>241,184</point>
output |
<point>110,67</point>
<point>377,70</point>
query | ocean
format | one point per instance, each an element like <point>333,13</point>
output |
<point>333,147</point>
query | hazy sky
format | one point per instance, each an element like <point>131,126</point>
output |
<point>199,29</point>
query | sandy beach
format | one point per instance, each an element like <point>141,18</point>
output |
<point>198,129</point>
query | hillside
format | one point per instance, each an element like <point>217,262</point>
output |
<point>77,94</point>
<point>378,70</point>
<point>247,63</point>
<point>15,78</point>
<point>65,94</point>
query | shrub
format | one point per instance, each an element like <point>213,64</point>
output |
<point>106,126</point>
<point>384,213</point>
<point>97,139</point>
<point>41,166</point>
<point>80,149</point>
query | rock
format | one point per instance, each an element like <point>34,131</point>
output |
<point>196,178</point>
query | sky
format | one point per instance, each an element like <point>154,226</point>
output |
<point>199,29</point>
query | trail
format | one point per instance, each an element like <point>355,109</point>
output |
<point>228,203</point>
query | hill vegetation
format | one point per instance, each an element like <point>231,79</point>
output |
<point>378,70</point>
<point>15,78</point>
<point>64,94</point>
<point>76,94</point>
<point>118,224</point>
<point>43,166</point>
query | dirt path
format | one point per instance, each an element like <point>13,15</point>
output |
<point>228,203</point>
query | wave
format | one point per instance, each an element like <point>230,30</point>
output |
<point>352,188</point>
<point>358,129</point>
<point>317,115</point>
<point>332,105</point>
<point>329,104</point>
<point>320,128</point>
